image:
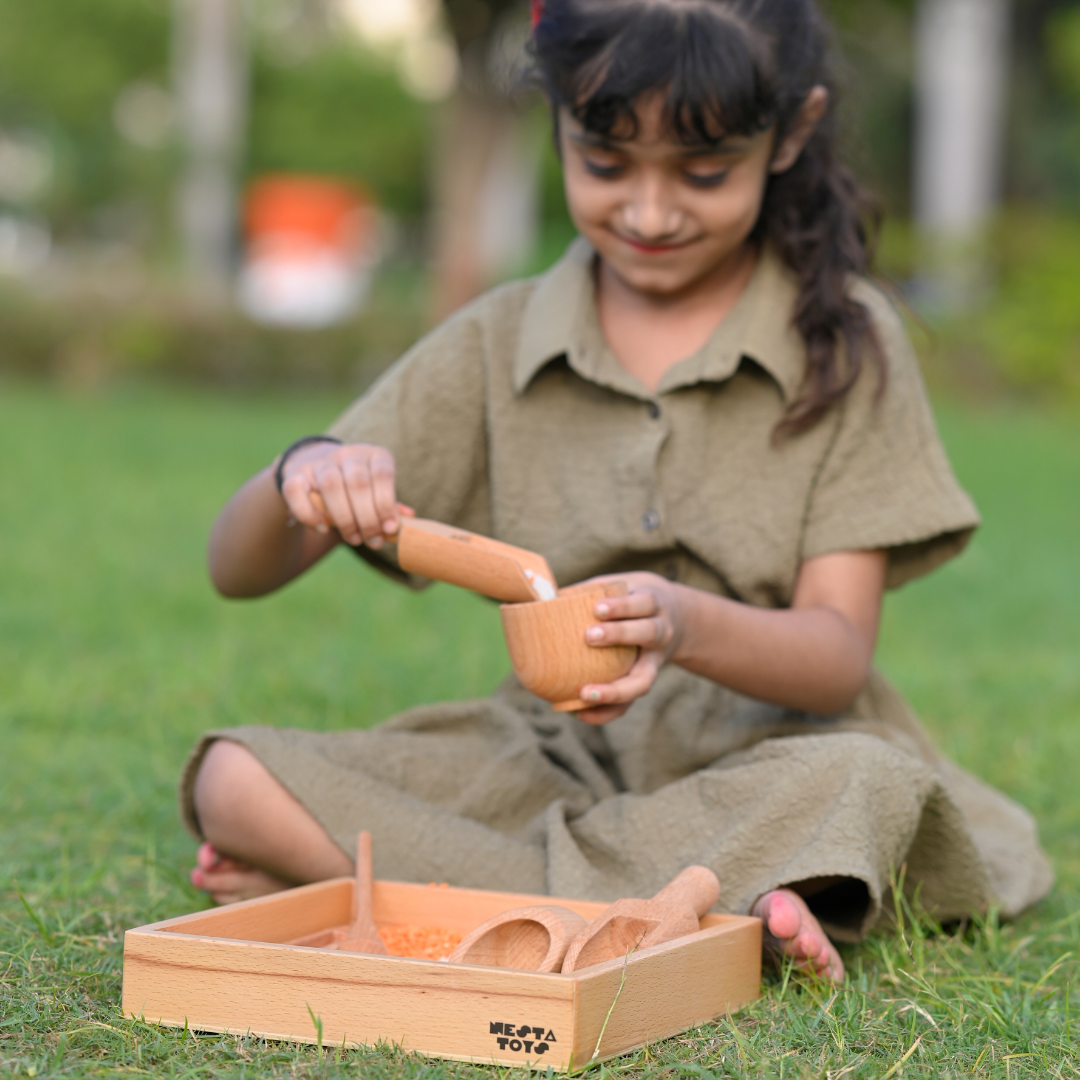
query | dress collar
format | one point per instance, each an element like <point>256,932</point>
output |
<point>560,320</point>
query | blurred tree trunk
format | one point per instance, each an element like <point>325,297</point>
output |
<point>211,78</point>
<point>484,177</point>
<point>962,56</point>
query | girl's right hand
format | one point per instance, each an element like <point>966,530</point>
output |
<point>349,488</point>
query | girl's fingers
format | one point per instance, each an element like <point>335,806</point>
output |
<point>331,485</point>
<point>303,502</point>
<point>348,487</point>
<point>359,489</point>
<point>635,605</point>
<point>648,633</point>
<point>383,476</point>
<point>636,682</point>
<point>602,715</point>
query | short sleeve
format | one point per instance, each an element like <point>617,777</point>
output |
<point>885,482</point>
<point>428,409</point>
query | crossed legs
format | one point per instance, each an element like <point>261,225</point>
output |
<point>260,840</point>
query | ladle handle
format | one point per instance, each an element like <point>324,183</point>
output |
<point>696,887</point>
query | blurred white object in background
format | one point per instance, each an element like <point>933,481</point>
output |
<point>143,114</point>
<point>25,245</point>
<point>26,166</point>
<point>962,54</point>
<point>410,31</point>
<point>311,247</point>
<point>508,220</point>
<point>26,171</point>
<point>961,72</point>
<point>389,21</point>
<point>210,49</point>
<point>428,67</point>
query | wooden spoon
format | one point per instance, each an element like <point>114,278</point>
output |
<point>528,938</point>
<point>476,562</point>
<point>628,925</point>
<point>459,557</point>
<point>362,935</point>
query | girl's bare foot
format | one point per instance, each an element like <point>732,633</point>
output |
<point>791,929</point>
<point>228,880</point>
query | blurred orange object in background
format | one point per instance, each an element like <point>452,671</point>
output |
<point>310,246</point>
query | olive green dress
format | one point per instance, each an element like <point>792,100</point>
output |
<point>515,420</point>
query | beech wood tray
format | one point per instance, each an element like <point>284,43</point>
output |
<point>234,970</point>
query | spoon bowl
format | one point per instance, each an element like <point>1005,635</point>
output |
<point>529,939</point>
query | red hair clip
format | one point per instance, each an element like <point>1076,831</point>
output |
<point>537,12</point>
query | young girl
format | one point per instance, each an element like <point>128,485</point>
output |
<point>707,398</point>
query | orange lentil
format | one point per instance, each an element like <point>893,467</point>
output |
<point>420,942</point>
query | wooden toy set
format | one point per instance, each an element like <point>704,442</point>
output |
<point>541,980</point>
<point>534,979</point>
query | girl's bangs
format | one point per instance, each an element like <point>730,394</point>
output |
<point>712,70</point>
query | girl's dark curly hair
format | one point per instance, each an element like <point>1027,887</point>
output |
<point>736,66</point>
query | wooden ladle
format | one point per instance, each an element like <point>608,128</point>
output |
<point>362,936</point>
<point>529,938</point>
<point>629,925</point>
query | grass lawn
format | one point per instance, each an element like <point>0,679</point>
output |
<point>114,655</point>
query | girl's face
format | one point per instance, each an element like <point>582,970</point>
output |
<point>664,216</point>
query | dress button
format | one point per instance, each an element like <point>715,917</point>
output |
<point>650,521</point>
<point>654,410</point>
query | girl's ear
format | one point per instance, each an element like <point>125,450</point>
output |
<point>807,119</point>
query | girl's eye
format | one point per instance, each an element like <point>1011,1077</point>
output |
<point>706,180</point>
<point>605,171</point>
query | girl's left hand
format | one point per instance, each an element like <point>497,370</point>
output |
<point>650,616</point>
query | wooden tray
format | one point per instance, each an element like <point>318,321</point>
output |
<point>234,970</point>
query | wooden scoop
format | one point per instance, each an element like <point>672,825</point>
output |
<point>459,557</point>
<point>362,935</point>
<point>476,562</point>
<point>528,938</point>
<point>628,925</point>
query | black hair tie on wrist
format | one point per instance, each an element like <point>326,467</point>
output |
<point>307,440</point>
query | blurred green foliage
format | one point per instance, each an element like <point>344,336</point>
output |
<point>340,110</point>
<point>90,341</point>
<point>319,102</point>
<point>1022,337</point>
<point>62,65</point>
<point>1063,48</point>
<point>1030,331</point>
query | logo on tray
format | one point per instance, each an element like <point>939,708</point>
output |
<point>522,1037</point>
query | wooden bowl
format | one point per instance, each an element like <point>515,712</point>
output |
<point>546,641</point>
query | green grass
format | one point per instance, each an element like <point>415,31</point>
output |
<point>114,655</point>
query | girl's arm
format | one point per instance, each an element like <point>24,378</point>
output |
<point>262,540</point>
<point>814,656</point>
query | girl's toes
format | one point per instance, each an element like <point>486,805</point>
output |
<point>795,933</point>
<point>808,946</point>
<point>211,864</point>
<point>780,915</point>
<point>207,857</point>
<point>236,881</point>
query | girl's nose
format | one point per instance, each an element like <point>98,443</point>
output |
<point>650,212</point>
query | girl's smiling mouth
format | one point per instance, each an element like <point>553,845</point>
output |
<point>649,247</point>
